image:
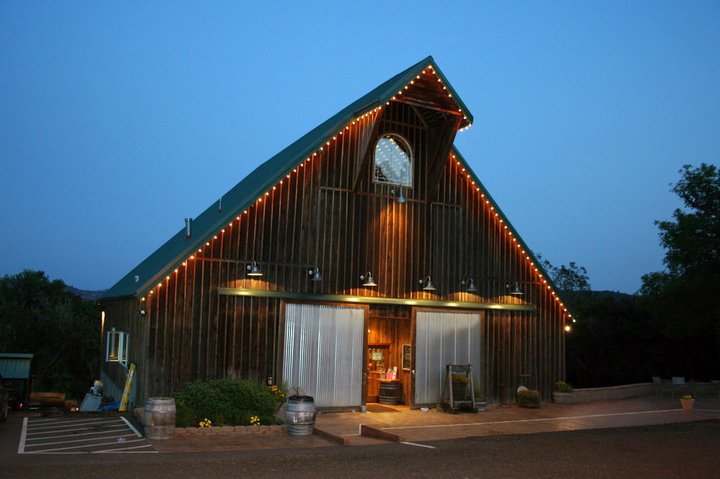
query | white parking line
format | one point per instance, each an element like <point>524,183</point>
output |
<point>416,444</point>
<point>71,425</point>
<point>23,432</point>
<point>137,433</point>
<point>81,436</point>
<point>76,440</point>
<point>544,419</point>
<point>84,445</point>
<point>40,422</point>
<point>34,438</point>
<point>120,451</point>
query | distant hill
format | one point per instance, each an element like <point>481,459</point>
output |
<point>84,294</point>
<point>612,294</point>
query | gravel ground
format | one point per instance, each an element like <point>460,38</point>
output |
<point>675,450</point>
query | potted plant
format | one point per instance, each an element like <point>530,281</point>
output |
<point>687,401</point>
<point>563,393</point>
<point>528,398</point>
<point>480,399</point>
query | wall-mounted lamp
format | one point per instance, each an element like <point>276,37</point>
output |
<point>315,275</point>
<point>142,311</point>
<point>254,269</point>
<point>368,281</point>
<point>469,285</point>
<point>568,328</point>
<point>514,289</point>
<point>427,284</point>
<point>401,198</point>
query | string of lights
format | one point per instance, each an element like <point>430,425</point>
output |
<point>360,122</point>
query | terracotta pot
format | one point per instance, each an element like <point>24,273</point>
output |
<point>687,404</point>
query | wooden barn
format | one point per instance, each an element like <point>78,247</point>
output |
<point>365,252</point>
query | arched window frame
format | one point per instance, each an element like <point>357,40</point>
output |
<point>405,146</point>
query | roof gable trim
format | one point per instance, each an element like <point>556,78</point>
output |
<point>175,253</point>
<point>512,233</point>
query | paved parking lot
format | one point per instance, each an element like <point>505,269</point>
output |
<point>81,435</point>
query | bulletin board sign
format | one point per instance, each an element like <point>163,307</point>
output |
<point>406,357</point>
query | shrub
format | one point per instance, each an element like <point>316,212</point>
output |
<point>563,387</point>
<point>226,402</point>
<point>528,398</point>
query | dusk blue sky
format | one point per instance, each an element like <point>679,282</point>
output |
<point>119,119</point>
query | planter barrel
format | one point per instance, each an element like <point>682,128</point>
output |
<point>389,392</point>
<point>301,415</point>
<point>687,404</point>
<point>159,419</point>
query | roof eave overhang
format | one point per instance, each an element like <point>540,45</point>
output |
<point>377,98</point>
<point>459,157</point>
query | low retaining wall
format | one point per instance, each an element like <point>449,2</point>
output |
<point>613,392</point>
<point>711,389</point>
<point>191,431</point>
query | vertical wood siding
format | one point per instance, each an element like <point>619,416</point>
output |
<point>329,213</point>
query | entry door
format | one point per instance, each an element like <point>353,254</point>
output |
<point>443,338</point>
<point>324,353</point>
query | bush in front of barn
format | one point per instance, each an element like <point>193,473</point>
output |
<point>226,402</point>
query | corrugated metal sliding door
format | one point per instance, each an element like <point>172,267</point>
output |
<point>324,353</point>
<point>443,338</point>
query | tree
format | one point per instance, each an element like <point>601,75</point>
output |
<point>568,278</point>
<point>613,330</point>
<point>572,280</point>
<point>41,317</point>
<point>683,299</point>
<point>692,240</point>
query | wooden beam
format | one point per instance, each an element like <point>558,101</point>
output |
<point>439,158</point>
<point>342,298</point>
<point>367,133</point>
<point>427,106</point>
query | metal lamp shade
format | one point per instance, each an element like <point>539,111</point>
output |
<point>254,269</point>
<point>368,281</point>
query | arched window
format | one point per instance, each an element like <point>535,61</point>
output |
<point>393,161</point>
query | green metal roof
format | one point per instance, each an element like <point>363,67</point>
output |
<point>15,366</point>
<point>177,249</point>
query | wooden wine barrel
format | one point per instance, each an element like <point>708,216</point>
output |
<point>390,392</point>
<point>159,420</point>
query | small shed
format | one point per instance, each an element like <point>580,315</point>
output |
<point>15,372</point>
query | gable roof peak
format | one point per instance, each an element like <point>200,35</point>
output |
<point>179,248</point>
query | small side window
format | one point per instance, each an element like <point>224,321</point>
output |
<point>393,161</point>
<point>116,347</point>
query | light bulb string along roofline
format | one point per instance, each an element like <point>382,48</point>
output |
<point>360,120</point>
